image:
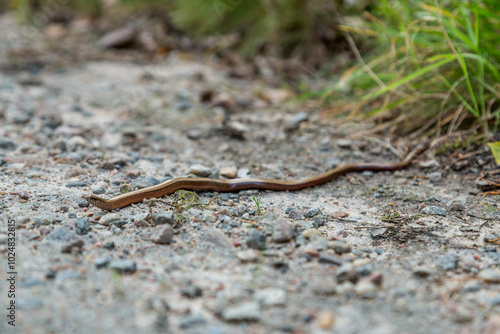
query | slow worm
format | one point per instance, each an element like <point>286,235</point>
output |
<point>206,184</point>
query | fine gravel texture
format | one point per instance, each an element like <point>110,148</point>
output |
<point>412,251</point>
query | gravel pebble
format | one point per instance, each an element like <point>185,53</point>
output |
<point>248,255</point>
<point>200,170</point>
<point>489,275</point>
<point>434,210</point>
<point>366,289</point>
<point>326,320</point>
<point>123,266</point>
<point>256,240</point>
<point>82,226</point>
<point>248,311</point>
<point>109,218</point>
<point>423,271</point>
<point>163,234</point>
<point>218,238</point>
<point>270,297</point>
<point>283,231</point>
<point>191,320</point>
<point>339,247</point>
<point>312,213</point>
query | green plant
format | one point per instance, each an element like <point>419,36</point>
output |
<point>433,67</point>
<point>257,203</point>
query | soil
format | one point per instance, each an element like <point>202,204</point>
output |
<point>411,251</point>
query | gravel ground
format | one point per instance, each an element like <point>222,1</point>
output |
<point>402,252</point>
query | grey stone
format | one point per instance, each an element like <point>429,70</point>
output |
<point>434,210</point>
<point>423,271</point>
<point>7,143</point>
<point>256,240</point>
<point>456,204</point>
<point>346,272</point>
<point>245,311</point>
<point>248,255</point>
<point>109,218</point>
<point>435,177</point>
<point>200,170</point>
<point>123,266</point>
<point>299,118</point>
<point>270,297</point>
<point>313,212</point>
<point>218,238</point>
<point>102,262</point>
<point>191,320</point>
<point>44,220</point>
<point>162,234</point>
<point>63,234</point>
<point>329,259</point>
<point>489,275</point>
<point>366,289</point>
<point>82,226</point>
<point>283,231</point>
<point>447,262</point>
<point>339,247</point>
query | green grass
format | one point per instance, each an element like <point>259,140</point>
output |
<point>432,68</point>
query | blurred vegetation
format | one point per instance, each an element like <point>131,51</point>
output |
<point>420,66</point>
<point>433,67</point>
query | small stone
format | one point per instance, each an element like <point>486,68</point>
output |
<point>401,181</point>
<point>339,247</point>
<point>44,220</point>
<point>66,248</point>
<point>118,38</point>
<point>434,210</point>
<point>270,297</point>
<point>311,213</point>
<point>375,278</point>
<point>429,163</point>
<point>326,320</point>
<point>283,231</point>
<point>200,170</point>
<point>435,177</point>
<point>82,226</point>
<point>191,320</point>
<point>102,262</point>
<point>489,275</point>
<point>310,232</point>
<point>78,243</point>
<point>324,287</point>
<point>344,143</point>
<point>298,118</point>
<point>423,271</point>
<point>447,262</point>
<point>123,266</point>
<point>366,289</point>
<point>163,234</point>
<point>248,255</point>
<point>256,240</point>
<point>228,172</point>
<point>377,232</point>
<point>329,259</point>
<point>191,291</point>
<point>248,311</point>
<point>109,245</point>
<point>63,234</point>
<point>218,238</point>
<point>311,250</point>
<point>76,142</point>
<point>456,204</point>
<point>236,129</point>
<point>346,272</point>
<point>23,195</point>
<point>379,251</point>
<point>109,218</point>
<point>7,143</point>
